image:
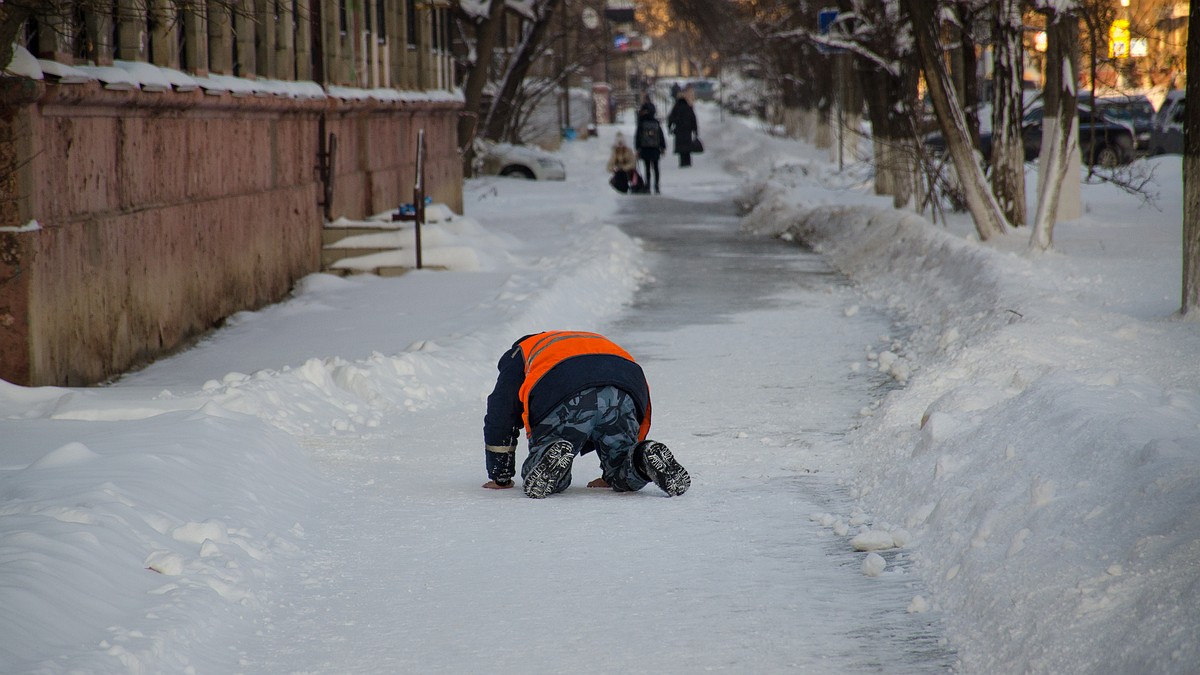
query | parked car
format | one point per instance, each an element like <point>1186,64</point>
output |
<point>521,161</point>
<point>1167,134</point>
<point>1113,141</point>
<point>1103,140</point>
<point>1136,111</point>
<point>706,90</point>
<point>740,104</point>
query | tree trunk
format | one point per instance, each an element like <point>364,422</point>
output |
<point>971,86</point>
<point>12,18</point>
<point>487,31</point>
<point>966,79</point>
<point>1190,306</point>
<point>989,219</point>
<point>503,108</point>
<point>1060,130</point>
<point>1008,152</point>
<point>891,132</point>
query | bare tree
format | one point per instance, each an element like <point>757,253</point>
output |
<point>890,91</point>
<point>1060,130</point>
<point>485,29</point>
<point>1190,305</point>
<point>1096,17</point>
<point>505,105</point>
<point>985,211</point>
<point>13,16</point>
<point>963,62</point>
<point>718,24</point>
<point>1008,148</point>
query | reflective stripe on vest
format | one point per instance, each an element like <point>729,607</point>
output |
<point>546,350</point>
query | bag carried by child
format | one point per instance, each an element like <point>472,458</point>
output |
<point>620,181</point>
<point>627,181</point>
<point>636,184</point>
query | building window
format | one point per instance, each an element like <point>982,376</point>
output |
<point>410,13</point>
<point>436,18</point>
<point>381,14</point>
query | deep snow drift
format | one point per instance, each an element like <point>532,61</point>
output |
<point>1039,458</point>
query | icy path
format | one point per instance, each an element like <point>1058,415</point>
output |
<point>748,345</point>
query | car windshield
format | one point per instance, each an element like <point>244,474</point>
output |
<point>1083,113</point>
<point>1137,111</point>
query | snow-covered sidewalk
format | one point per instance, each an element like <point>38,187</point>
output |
<point>1039,457</point>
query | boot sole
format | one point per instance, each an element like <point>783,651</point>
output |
<point>668,474</point>
<point>555,464</point>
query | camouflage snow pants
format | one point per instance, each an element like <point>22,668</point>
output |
<point>603,419</point>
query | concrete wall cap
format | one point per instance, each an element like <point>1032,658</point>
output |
<point>148,76</point>
<point>65,74</point>
<point>112,77</point>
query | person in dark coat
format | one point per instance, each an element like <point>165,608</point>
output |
<point>682,124</point>
<point>650,143</point>
<point>574,392</point>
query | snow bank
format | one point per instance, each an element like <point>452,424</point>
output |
<point>1045,453</point>
<point>184,533</point>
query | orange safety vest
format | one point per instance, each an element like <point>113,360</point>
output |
<point>543,351</point>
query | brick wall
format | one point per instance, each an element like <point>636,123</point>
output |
<point>163,213</point>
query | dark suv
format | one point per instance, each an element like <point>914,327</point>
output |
<point>1103,141</point>
<point>1167,136</point>
<point>1136,111</point>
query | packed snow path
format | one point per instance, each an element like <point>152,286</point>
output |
<point>749,348</point>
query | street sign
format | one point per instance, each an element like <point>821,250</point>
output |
<point>826,19</point>
<point>1118,39</point>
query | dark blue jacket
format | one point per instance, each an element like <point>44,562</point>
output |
<point>502,423</point>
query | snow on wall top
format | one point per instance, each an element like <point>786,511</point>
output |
<point>131,75</point>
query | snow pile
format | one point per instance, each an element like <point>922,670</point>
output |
<point>1045,452</point>
<point>183,533</point>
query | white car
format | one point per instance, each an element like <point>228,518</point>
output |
<point>522,161</point>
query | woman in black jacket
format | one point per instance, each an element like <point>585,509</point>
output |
<point>682,124</point>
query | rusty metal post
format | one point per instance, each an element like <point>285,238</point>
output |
<point>419,192</point>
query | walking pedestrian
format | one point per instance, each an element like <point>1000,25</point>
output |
<point>681,123</point>
<point>574,392</point>
<point>650,143</point>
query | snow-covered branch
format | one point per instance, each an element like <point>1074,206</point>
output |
<point>853,46</point>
